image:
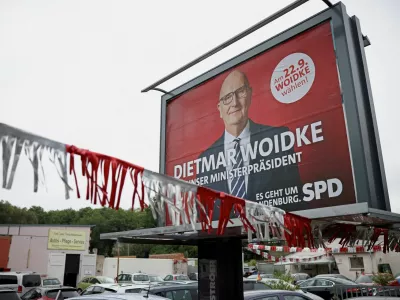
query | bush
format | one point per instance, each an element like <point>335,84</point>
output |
<point>281,285</point>
<point>252,263</point>
<point>286,277</point>
<point>382,278</point>
<point>285,282</point>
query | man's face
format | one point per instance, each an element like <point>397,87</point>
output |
<point>237,95</point>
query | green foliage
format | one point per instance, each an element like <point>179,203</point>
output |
<point>286,282</point>
<point>249,256</point>
<point>252,263</point>
<point>286,277</point>
<point>103,219</point>
<point>281,285</point>
<point>382,278</point>
<point>10,214</point>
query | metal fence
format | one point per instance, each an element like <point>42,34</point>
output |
<point>354,291</point>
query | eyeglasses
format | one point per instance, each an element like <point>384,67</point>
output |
<point>240,93</point>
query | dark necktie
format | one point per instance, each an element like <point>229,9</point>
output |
<point>238,186</point>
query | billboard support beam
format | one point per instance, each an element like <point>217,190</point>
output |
<point>327,2</point>
<point>162,91</point>
<point>366,40</point>
<point>229,42</point>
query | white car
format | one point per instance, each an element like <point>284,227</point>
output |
<point>51,283</point>
<point>174,277</point>
<point>111,288</point>
<point>133,278</point>
<point>155,279</point>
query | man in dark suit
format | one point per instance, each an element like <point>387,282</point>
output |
<point>240,131</point>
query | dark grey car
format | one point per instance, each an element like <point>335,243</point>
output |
<point>116,297</point>
<point>175,291</point>
<point>254,285</point>
<point>274,295</point>
<point>8,294</point>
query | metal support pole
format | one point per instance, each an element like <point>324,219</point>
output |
<point>327,2</point>
<point>117,259</point>
<point>229,42</point>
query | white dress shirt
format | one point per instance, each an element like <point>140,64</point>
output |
<point>230,144</point>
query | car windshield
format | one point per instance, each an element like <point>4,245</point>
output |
<point>105,279</point>
<point>31,280</point>
<point>52,281</point>
<point>52,294</point>
<point>364,279</point>
<point>140,278</point>
<point>306,282</point>
<point>342,281</point>
<point>155,279</point>
<point>8,279</point>
<point>9,296</point>
<point>334,276</point>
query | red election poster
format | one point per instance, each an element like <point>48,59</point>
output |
<point>271,129</point>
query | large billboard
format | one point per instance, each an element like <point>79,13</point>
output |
<point>271,129</point>
<point>289,123</point>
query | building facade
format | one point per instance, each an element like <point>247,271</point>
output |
<point>60,251</point>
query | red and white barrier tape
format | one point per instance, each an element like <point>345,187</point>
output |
<point>285,249</point>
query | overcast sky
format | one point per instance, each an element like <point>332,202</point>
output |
<point>73,70</point>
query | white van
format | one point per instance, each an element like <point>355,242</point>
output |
<point>21,282</point>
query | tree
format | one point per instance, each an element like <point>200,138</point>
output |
<point>10,214</point>
<point>41,215</point>
<point>103,219</point>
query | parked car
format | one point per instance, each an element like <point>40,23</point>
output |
<point>262,275</point>
<point>175,282</point>
<point>300,277</point>
<point>334,276</point>
<point>155,279</point>
<point>112,288</point>
<point>328,286</point>
<point>194,276</point>
<point>133,278</point>
<point>176,277</point>
<point>8,294</point>
<point>51,283</point>
<point>117,297</point>
<point>254,285</point>
<point>174,291</point>
<point>395,282</point>
<point>275,295</point>
<point>90,280</point>
<point>365,279</point>
<point>247,271</point>
<point>42,293</point>
<point>21,282</point>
